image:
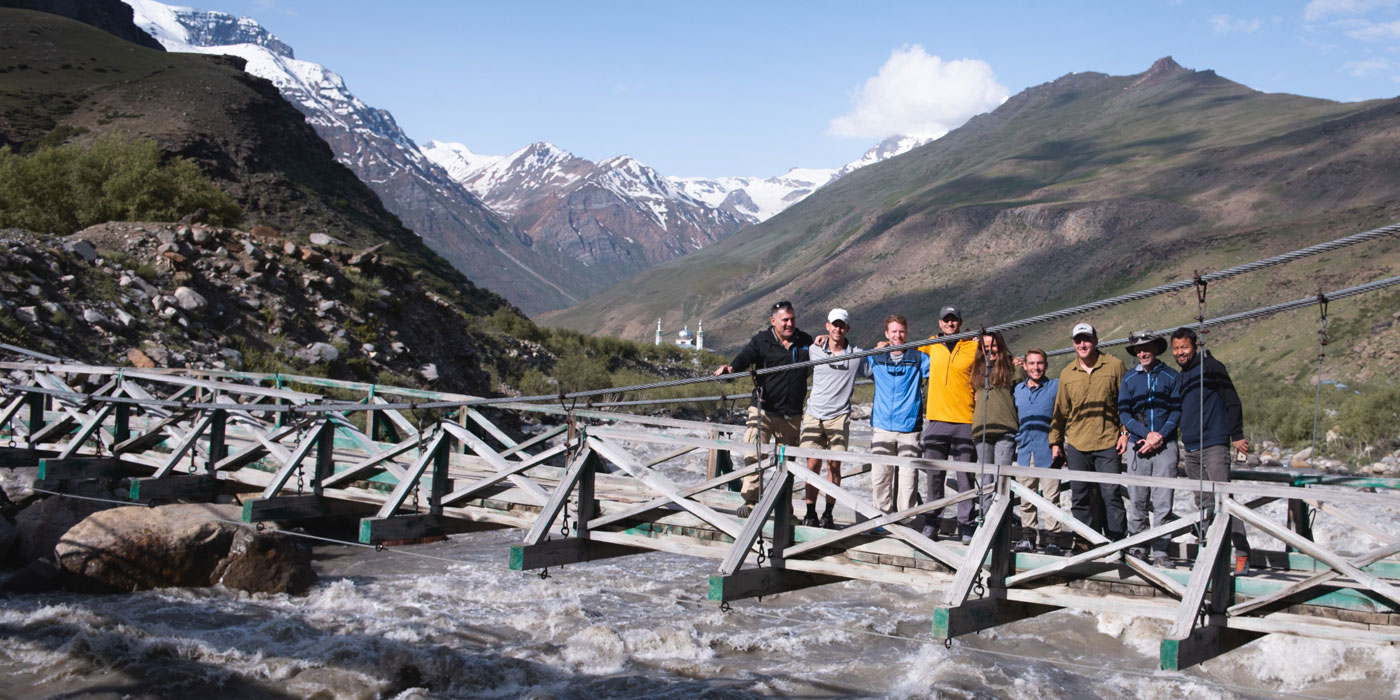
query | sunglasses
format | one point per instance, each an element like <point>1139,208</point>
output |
<point>782,305</point>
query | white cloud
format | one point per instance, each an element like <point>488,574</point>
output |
<point>1366,67</point>
<point>1376,32</point>
<point>1225,24</point>
<point>917,94</point>
<point>1321,9</point>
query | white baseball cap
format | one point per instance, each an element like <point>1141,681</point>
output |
<point>838,315</point>
<point>1083,329</point>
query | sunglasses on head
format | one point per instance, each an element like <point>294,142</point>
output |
<point>783,305</point>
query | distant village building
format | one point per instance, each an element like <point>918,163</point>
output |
<point>686,339</point>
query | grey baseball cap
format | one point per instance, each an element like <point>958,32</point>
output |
<point>950,310</point>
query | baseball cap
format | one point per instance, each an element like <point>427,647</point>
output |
<point>950,310</point>
<point>1083,329</point>
<point>838,315</point>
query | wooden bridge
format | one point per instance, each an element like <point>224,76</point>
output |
<point>302,448</point>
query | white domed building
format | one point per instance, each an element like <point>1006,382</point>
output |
<point>685,339</point>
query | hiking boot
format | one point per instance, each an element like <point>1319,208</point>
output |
<point>1161,560</point>
<point>743,511</point>
<point>1241,564</point>
<point>1052,549</point>
<point>810,521</point>
<point>929,531</point>
<point>827,522</point>
<point>1024,545</point>
<point>1137,552</point>
<point>965,533</point>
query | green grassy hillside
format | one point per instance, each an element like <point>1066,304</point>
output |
<point>1082,188</point>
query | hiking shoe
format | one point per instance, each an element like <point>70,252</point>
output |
<point>827,522</point>
<point>1161,560</point>
<point>1053,550</point>
<point>1137,552</point>
<point>810,521</point>
<point>1241,564</point>
<point>1025,545</point>
<point>880,531</point>
<point>743,511</point>
<point>930,532</point>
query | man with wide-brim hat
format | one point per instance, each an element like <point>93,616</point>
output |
<point>1150,415</point>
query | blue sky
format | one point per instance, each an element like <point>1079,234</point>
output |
<point>754,88</point>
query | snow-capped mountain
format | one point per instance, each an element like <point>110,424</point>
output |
<point>449,218</point>
<point>617,214</point>
<point>757,199</point>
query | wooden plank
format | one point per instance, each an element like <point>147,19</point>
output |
<point>412,478</point>
<point>1315,580</point>
<point>977,552</point>
<point>499,463</point>
<point>91,425</point>
<point>859,505</point>
<point>154,435</point>
<point>1045,507</point>
<point>865,526</point>
<point>1099,552</point>
<point>1332,559</point>
<point>293,462</point>
<point>1352,521</point>
<point>486,483</point>
<point>542,437</point>
<point>376,462</point>
<point>253,453</point>
<point>780,486</point>
<point>687,492</point>
<point>984,613</point>
<point>664,486</point>
<point>750,583</point>
<point>185,445</point>
<point>544,522</point>
<point>1201,574</point>
<point>285,508</point>
<point>571,550</point>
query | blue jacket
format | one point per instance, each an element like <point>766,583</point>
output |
<point>1223,414</point>
<point>897,388</point>
<point>1034,405</point>
<point>1145,402</point>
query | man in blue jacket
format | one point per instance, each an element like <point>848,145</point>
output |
<point>896,418</point>
<point>1212,422</point>
<point>1150,415</point>
<point>1035,403</point>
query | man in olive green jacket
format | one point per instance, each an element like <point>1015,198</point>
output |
<point>1086,421</point>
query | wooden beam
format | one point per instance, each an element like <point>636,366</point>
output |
<point>951,621</point>
<point>1207,560</point>
<point>195,487</point>
<point>489,483</point>
<point>663,501</point>
<point>413,527</point>
<point>865,526</point>
<point>532,490</point>
<point>11,457</point>
<point>779,487</point>
<point>154,435</point>
<point>56,468</point>
<point>570,550</point>
<point>664,486</point>
<point>413,477</point>
<point>768,580</point>
<point>1318,579</point>
<point>982,540</point>
<point>1326,556</point>
<point>580,467</point>
<point>1202,644</point>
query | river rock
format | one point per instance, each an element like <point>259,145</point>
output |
<point>8,536</point>
<point>36,577</point>
<point>190,300</point>
<point>82,249</point>
<point>1300,459</point>
<point>266,562</point>
<point>135,548</point>
<point>318,352</point>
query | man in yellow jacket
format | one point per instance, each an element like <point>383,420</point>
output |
<point>1086,421</point>
<point>948,431</point>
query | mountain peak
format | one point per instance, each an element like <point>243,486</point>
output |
<point>1163,68</point>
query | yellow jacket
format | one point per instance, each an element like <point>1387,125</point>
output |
<point>950,380</point>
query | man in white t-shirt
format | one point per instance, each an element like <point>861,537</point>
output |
<point>826,421</point>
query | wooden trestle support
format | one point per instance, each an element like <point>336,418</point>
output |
<point>230,433</point>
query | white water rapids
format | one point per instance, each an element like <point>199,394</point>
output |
<point>388,624</point>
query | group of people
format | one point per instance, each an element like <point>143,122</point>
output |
<point>972,400</point>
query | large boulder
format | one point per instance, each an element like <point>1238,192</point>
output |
<point>266,562</point>
<point>42,524</point>
<point>136,548</point>
<point>8,536</point>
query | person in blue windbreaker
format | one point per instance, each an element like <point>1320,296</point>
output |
<point>1150,415</point>
<point>896,418</point>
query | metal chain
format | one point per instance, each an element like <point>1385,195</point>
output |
<point>300,424</point>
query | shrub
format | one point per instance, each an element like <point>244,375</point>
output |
<point>65,188</point>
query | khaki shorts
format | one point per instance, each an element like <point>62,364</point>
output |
<point>830,434</point>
